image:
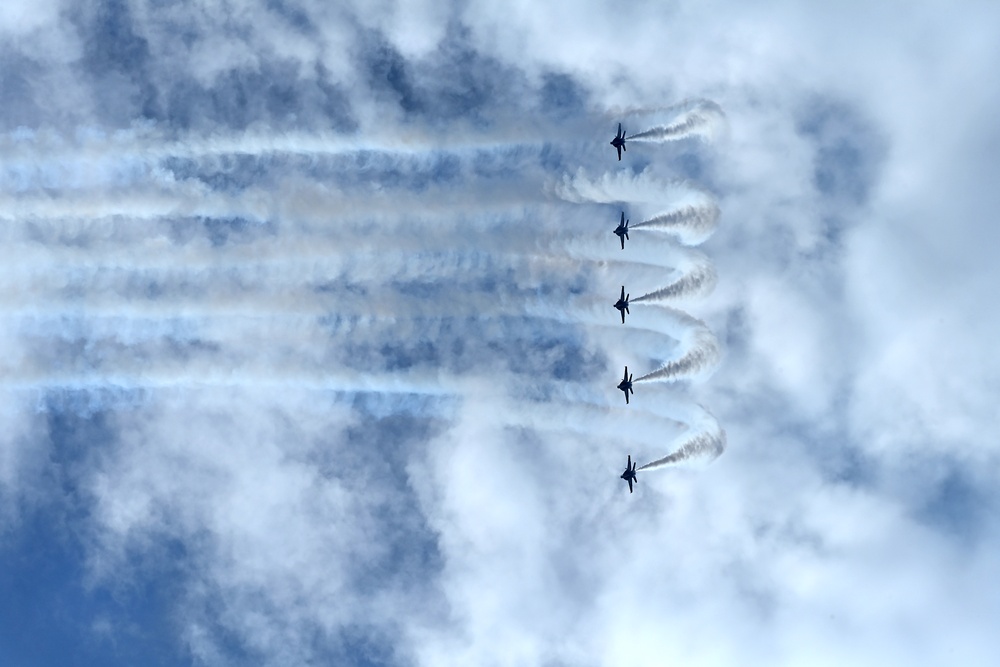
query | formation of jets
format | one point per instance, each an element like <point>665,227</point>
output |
<point>625,385</point>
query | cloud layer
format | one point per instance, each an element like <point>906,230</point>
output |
<point>309,354</point>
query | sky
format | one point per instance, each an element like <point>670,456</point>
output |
<point>309,354</point>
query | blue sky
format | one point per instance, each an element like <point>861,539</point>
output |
<point>309,354</point>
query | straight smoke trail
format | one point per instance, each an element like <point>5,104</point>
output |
<point>697,118</point>
<point>145,142</point>
<point>97,158</point>
<point>218,376</point>
<point>692,225</point>
<point>292,199</point>
<point>698,279</point>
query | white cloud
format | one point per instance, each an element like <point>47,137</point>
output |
<point>383,410</point>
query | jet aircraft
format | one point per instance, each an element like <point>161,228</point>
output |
<point>626,385</point>
<point>622,303</point>
<point>629,474</point>
<point>622,230</point>
<point>619,141</point>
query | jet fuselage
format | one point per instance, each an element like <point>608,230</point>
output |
<point>619,142</point>
<point>622,304</point>
<point>622,230</point>
<point>626,385</point>
<point>629,474</point>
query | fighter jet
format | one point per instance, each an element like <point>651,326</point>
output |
<point>626,385</point>
<point>629,474</point>
<point>619,142</point>
<point>622,230</point>
<point>622,303</point>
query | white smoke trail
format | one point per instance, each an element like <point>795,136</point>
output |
<point>701,355</point>
<point>146,142</point>
<point>294,200</point>
<point>94,157</point>
<point>189,199</point>
<point>704,441</point>
<point>218,375</point>
<point>692,225</point>
<point>697,279</point>
<point>620,186</point>
<point>702,118</point>
<point>250,310</point>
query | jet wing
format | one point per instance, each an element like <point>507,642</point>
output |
<point>630,485</point>
<point>623,316</point>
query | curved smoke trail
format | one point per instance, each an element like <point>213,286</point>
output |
<point>692,225</point>
<point>699,279</point>
<point>696,118</point>
<point>700,357</point>
<point>704,445</point>
<point>613,187</point>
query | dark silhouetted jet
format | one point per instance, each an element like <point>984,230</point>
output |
<point>622,230</point>
<point>626,385</point>
<point>619,141</point>
<point>622,303</point>
<point>629,474</point>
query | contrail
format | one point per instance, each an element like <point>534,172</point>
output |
<point>698,280</point>
<point>692,225</point>
<point>697,118</point>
